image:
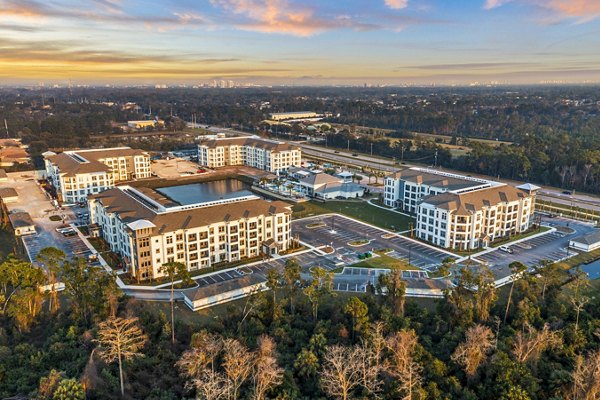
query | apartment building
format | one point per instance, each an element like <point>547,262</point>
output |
<point>294,115</point>
<point>473,219</point>
<point>406,188</point>
<point>79,173</point>
<point>251,151</point>
<point>148,229</point>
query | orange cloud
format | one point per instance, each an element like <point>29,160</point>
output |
<point>583,9</point>
<point>22,9</point>
<point>277,16</point>
<point>396,4</point>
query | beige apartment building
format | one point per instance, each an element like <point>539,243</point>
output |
<point>148,229</point>
<point>473,219</point>
<point>79,173</point>
<point>251,151</point>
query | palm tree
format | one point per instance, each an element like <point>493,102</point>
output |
<point>175,271</point>
<point>516,269</point>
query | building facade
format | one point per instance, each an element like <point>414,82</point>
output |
<point>405,189</point>
<point>474,219</point>
<point>251,151</point>
<point>148,230</point>
<point>79,173</point>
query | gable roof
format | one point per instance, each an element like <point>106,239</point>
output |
<point>251,141</point>
<point>470,202</point>
<point>88,161</point>
<point>320,179</point>
<point>437,180</point>
<point>589,239</point>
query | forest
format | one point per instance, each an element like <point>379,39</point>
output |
<point>552,133</point>
<point>536,338</point>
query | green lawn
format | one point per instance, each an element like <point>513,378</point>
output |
<point>383,261</point>
<point>358,209</point>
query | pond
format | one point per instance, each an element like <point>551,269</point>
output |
<point>206,191</point>
<point>592,269</point>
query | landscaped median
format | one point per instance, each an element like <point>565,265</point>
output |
<point>380,260</point>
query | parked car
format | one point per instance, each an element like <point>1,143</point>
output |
<point>567,192</point>
<point>506,249</point>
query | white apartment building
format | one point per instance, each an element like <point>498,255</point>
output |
<point>294,115</point>
<point>251,151</point>
<point>148,229</point>
<point>79,173</point>
<point>469,220</point>
<point>406,188</point>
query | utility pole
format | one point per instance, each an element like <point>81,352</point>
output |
<point>348,144</point>
<point>435,161</point>
<point>6,127</point>
<point>371,148</point>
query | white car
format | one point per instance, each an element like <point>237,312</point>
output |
<point>506,249</point>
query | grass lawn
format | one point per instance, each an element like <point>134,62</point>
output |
<point>582,258</point>
<point>383,261</point>
<point>356,209</point>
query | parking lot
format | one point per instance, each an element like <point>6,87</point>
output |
<point>338,231</point>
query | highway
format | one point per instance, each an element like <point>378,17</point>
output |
<point>344,157</point>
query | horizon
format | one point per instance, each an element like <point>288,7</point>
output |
<point>294,43</point>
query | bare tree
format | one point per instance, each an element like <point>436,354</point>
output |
<point>238,364</point>
<point>211,385</point>
<point>369,363</point>
<point>528,347</point>
<point>341,372</point>
<point>473,351</point>
<point>175,271</point>
<point>267,373</point>
<point>586,377</point>
<point>120,339</point>
<point>516,269</point>
<point>401,363</point>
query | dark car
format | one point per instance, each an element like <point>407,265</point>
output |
<point>567,192</point>
<point>354,155</point>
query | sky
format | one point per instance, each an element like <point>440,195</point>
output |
<point>299,42</point>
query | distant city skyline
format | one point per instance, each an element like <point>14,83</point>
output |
<point>296,42</point>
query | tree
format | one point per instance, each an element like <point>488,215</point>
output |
<point>16,275</point>
<point>69,389</point>
<point>528,347</point>
<point>485,295</point>
<point>341,371</point>
<point>359,312</point>
<point>291,276</point>
<point>516,269</point>
<point>266,373</point>
<point>273,278</point>
<point>394,287</point>
<point>586,377</point>
<point>211,385</point>
<point>401,363</point>
<point>238,364</point>
<point>206,347</point>
<point>85,287</point>
<point>174,271</point>
<point>319,287</point>
<point>120,339</point>
<point>48,385</point>
<point>52,258</point>
<point>473,351</point>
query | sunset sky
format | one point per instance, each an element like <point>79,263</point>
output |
<point>299,42</point>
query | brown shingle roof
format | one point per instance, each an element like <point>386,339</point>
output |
<point>70,164</point>
<point>251,141</point>
<point>129,210</point>
<point>470,202</point>
<point>20,219</point>
<point>8,192</point>
<point>3,174</point>
<point>432,179</point>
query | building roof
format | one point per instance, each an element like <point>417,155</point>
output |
<point>528,187</point>
<point>447,181</point>
<point>589,239</point>
<point>76,162</point>
<point>470,202</point>
<point>222,288</point>
<point>320,179</point>
<point>345,174</point>
<point>131,209</point>
<point>252,141</point>
<point>340,187</point>
<point>8,192</point>
<point>3,174</point>
<point>20,220</point>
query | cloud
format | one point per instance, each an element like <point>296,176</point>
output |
<point>467,66</point>
<point>581,10</point>
<point>396,4</point>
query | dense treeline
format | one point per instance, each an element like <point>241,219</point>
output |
<point>535,339</point>
<point>553,132</point>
